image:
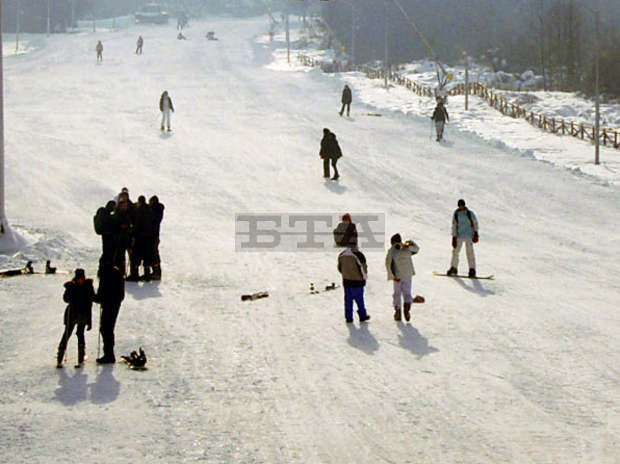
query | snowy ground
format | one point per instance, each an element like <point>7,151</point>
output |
<point>520,369</point>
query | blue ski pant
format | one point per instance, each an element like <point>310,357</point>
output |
<point>350,295</point>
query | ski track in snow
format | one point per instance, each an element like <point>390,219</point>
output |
<point>520,369</point>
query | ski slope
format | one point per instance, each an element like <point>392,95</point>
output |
<point>520,369</point>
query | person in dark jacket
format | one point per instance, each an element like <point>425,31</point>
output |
<point>440,116</point>
<point>158,216</point>
<point>165,106</point>
<point>352,265</point>
<point>110,295</point>
<point>330,151</point>
<point>346,233</point>
<point>346,100</point>
<point>105,225</point>
<point>142,250</point>
<point>99,49</point>
<point>123,214</point>
<point>79,294</point>
<point>139,44</point>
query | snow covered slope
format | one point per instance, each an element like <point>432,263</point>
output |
<point>520,369</point>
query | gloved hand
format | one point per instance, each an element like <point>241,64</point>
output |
<point>453,242</point>
<point>475,237</point>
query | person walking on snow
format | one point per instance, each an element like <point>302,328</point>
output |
<point>110,295</point>
<point>79,294</point>
<point>330,151</point>
<point>440,116</point>
<point>345,234</point>
<point>139,44</point>
<point>346,100</point>
<point>352,265</point>
<point>99,49</point>
<point>165,106</point>
<point>464,230</point>
<point>399,266</point>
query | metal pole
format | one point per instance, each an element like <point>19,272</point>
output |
<point>18,27</point>
<point>386,42</point>
<point>353,32</point>
<point>288,38</point>
<point>72,14</point>
<point>49,13</point>
<point>466,82</point>
<point>3,220</point>
<point>596,91</point>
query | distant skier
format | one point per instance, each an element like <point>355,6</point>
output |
<point>158,216</point>
<point>99,50</point>
<point>440,116</point>
<point>345,234</point>
<point>139,44</point>
<point>330,151</point>
<point>464,230</point>
<point>79,294</point>
<point>399,266</point>
<point>352,265</point>
<point>110,295</point>
<point>165,106</point>
<point>346,100</point>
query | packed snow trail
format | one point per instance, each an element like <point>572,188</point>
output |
<point>520,369</point>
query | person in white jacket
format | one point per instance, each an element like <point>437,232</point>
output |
<point>464,231</point>
<point>399,266</point>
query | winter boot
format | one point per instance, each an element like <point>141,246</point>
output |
<point>472,272</point>
<point>133,274</point>
<point>366,318</point>
<point>407,309</point>
<point>156,272</point>
<point>162,128</point>
<point>81,354</point>
<point>147,274</point>
<point>60,355</point>
<point>396,313</point>
<point>452,271</point>
<point>106,359</point>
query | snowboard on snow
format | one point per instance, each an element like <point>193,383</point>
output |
<point>462,276</point>
<point>254,296</point>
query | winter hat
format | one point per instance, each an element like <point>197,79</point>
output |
<point>347,217</point>
<point>461,202</point>
<point>325,131</point>
<point>396,239</point>
<point>79,273</point>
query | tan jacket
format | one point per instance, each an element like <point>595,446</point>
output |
<point>351,267</point>
<point>398,262</point>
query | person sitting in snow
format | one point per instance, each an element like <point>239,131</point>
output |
<point>352,265</point>
<point>399,266</point>
<point>440,116</point>
<point>464,230</point>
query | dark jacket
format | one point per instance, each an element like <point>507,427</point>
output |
<point>161,102</point>
<point>345,234</point>
<point>329,147</point>
<point>346,95</point>
<point>143,225</point>
<point>80,299</point>
<point>158,216</point>
<point>111,286</point>
<point>440,114</point>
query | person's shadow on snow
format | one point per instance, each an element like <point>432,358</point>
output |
<point>335,187</point>
<point>72,389</point>
<point>476,287</point>
<point>165,135</point>
<point>412,340</point>
<point>362,339</point>
<point>106,388</point>
<point>144,290</point>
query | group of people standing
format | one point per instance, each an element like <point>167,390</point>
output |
<point>353,266</point>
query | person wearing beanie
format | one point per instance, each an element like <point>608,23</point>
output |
<point>440,116</point>
<point>330,151</point>
<point>464,230</point>
<point>352,265</point>
<point>346,100</point>
<point>166,107</point>
<point>79,294</point>
<point>346,232</point>
<point>399,266</point>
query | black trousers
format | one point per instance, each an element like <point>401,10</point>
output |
<point>348,105</point>
<point>109,314</point>
<point>326,166</point>
<point>62,346</point>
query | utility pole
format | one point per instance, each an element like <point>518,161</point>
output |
<point>49,13</point>
<point>466,81</point>
<point>597,114</point>
<point>4,224</point>
<point>72,14</point>
<point>386,42</point>
<point>288,37</point>
<point>18,26</point>
<point>353,31</point>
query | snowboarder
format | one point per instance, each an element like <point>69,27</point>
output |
<point>346,232</point>
<point>139,44</point>
<point>440,116</point>
<point>142,250</point>
<point>352,265</point>
<point>158,216</point>
<point>464,230</point>
<point>346,100</point>
<point>110,295</point>
<point>165,106</point>
<point>79,294</point>
<point>330,151</point>
<point>99,50</point>
<point>399,265</point>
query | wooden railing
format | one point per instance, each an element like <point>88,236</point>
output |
<point>607,137</point>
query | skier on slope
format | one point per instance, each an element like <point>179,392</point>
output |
<point>345,234</point>
<point>99,49</point>
<point>352,265</point>
<point>110,295</point>
<point>165,106</point>
<point>346,100</point>
<point>464,230</point>
<point>139,44</point>
<point>399,266</point>
<point>79,294</point>
<point>440,116</point>
<point>158,216</point>
<point>330,151</point>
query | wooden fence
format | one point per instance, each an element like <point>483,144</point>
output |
<point>607,137</point>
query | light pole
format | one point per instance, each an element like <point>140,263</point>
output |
<point>353,31</point>
<point>49,13</point>
<point>385,9</point>
<point>466,81</point>
<point>18,27</point>
<point>597,114</point>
